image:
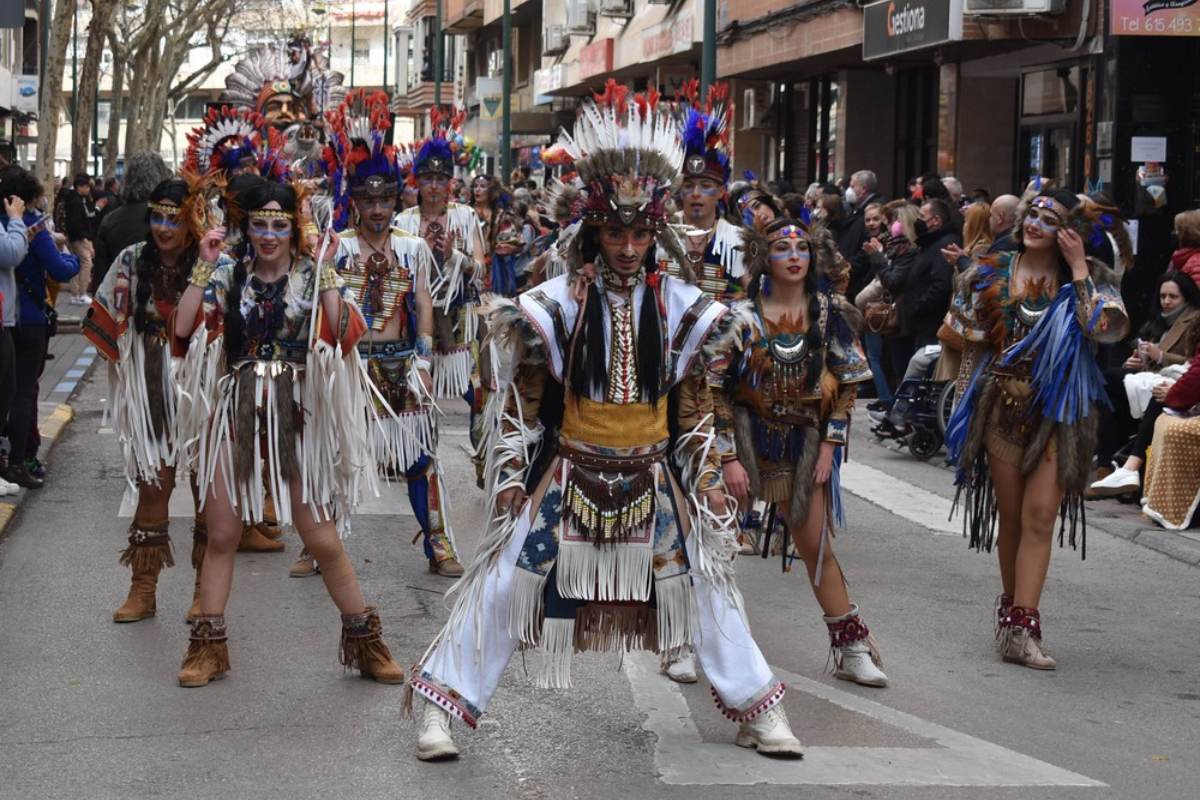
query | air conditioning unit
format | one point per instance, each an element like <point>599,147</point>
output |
<point>1012,8</point>
<point>756,107</point>
<point>621,9</point>
<point>555,40</point>
<point>581,20</point>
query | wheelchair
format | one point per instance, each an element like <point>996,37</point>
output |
<point>919,415</point>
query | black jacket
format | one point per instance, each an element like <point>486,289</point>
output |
<point>930,280</point>
<point>81,216</point>
<point>854,230</point>
<point>120,228</point>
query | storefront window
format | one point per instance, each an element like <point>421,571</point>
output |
<point>1051,91</point>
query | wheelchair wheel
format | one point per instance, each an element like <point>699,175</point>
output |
<point>924,443</point>
<point>945,407</point>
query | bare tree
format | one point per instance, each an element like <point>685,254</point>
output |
<point>50,101</point>
<point>112,141</point>
<point>89,81</point>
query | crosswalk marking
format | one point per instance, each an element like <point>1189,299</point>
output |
<point>392,501</point>
<point>900,498</point>
<point>682,757</point>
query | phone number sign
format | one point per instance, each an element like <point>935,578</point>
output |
<point>1155,17</point>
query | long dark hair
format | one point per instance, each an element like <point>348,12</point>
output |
<point>250,200</point>
<point>153,279</point>
<point>1156,326</point>
<point>589,359</point>
<point>812,336</point>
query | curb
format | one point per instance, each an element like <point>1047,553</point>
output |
<point>51,427</point>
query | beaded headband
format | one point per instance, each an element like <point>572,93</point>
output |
<point>1052,205</point>
<point>789,231</point>
<point>167,210</point>
<point>271,213</point>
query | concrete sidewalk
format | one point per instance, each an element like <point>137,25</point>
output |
<point>73,359</point>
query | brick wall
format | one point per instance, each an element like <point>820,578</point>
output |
<point>825,34</point>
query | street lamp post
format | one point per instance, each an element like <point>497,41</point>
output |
<point>353,41</point>
<point>387,35</point>
<point>506,96</point>
<point>708,57</point>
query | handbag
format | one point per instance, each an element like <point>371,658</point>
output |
<point>882,316</point>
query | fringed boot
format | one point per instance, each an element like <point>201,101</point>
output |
<point>1003,605</point>
<point>852,650</point>
<point>679,664</point>
<point>305,567</point>
<point>442,558</point>
<point>207,656</point>
<point>363,648</point>
<point>1021,639</point>
<point>149,551</point>
<point>199,547</point>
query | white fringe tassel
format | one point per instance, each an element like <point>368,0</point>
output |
<point>145,452</point>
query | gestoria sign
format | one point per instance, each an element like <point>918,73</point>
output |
<point>898,26</point>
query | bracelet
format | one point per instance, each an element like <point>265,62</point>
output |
<point>202,273</point>
<point>329,278</point>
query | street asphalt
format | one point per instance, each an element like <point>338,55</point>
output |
<point>89,709</point>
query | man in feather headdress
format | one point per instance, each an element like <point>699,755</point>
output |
<point>455,236</point>
<point>598,543</point>
<point>390,273</point>
<point>714,245</point>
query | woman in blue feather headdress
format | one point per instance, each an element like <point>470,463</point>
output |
<point>1024,432</point>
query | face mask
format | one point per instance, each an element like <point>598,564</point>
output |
<point>851,197</point>
<point>921,228</point>
<point>897,229</point>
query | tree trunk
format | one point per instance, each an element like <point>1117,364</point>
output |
<point>112,140</point>
<point>89,80</point>
<point>137,89</point>
<point>50,97</point>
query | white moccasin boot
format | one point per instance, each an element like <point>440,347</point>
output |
<point>770,734</point>
<point>433,740</point>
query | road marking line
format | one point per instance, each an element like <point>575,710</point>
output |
<point>682,757</point>
<point>900,497</point>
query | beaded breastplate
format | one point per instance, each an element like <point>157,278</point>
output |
<point>379,289</point>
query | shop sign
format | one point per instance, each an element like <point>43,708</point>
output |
<point>25,93</point>
<point>668,38</point>
<point>596,58</point>
<point>1155,17</point>
<point>898,26</point>
<point>1147,149</point>
<point>490,93</point>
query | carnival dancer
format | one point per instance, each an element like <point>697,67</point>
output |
<point>235,146</point>
<point>609,550</point>
<point>129,323</point>
<point>788,386</point>
<point>389,274</point>
<point>289,412</point>
<point>714,245</point>
<point>455,236</point>
<point>1024,432</point>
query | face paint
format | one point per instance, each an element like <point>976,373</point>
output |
<point>164,221</point>
<point>1048,221</point>
<point>270,226</point>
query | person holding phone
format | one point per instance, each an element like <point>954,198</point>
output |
<point>32,330</point>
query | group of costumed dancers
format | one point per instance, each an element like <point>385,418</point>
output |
<point>287,328</point>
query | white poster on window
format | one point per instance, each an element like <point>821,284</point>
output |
<point>1147,148</point>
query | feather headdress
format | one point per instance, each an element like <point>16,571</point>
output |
<point>445,146</point>
<point>832,270</point>
<point>231,140</point>
<point>627,153</point>
<point>359,161</point>
<point>704,128</point>
<point>271,70</point>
